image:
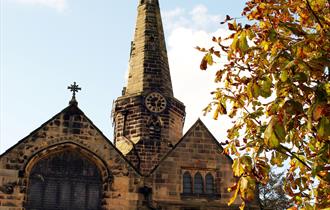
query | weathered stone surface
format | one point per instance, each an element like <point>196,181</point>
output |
<point>68,130</point>
<point>149,69</point>
<point>135,133</point>
<point>189,156</point>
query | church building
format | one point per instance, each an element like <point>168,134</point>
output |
<point>68,164</point>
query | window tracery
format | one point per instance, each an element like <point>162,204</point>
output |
<point>199,184</point>
<point>154,125</point>
<point>187,182</point>
<point>64,180</point>
<point>209,183</point>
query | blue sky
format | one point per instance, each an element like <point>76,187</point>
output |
<point>45,45</point>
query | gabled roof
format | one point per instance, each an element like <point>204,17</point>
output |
<point>199,122</point>
<point>71,109</point>
<point>74,109</point>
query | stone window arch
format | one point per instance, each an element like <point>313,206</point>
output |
<point>187,182</point>
<point>209,184</point>
<point>64,180</point>
<point>198,183</point>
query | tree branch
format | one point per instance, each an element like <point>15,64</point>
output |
<point>234,96</point>
<point>314,14</point>
<point>295,156</point>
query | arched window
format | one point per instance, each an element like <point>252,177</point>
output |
<point>209,183</point>
<point>198,183</point>
<point>154,125</point>
<point>187,182</point>
<point>64,181</point>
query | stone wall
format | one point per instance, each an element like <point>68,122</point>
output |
<point>123,188</point>
<point>132,130</point>
<point>197,151</point>
<point>149,72</point>
<point>69,130</point>
<point>148,68</point>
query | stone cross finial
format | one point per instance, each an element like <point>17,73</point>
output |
<point>74,88</point>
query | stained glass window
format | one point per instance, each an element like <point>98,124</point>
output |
<point>198,183</point>
<point>187,183</point>
<point>64,181</point>
<point>209,183</point>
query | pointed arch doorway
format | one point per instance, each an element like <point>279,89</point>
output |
<point>64,181</point>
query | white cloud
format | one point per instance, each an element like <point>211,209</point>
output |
<point>197,18</point>
<point>59,5</point>
<point>174,18</point>
<point>186,30</point>
<point>201,17</point>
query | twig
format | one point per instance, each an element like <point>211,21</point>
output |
<point>295,156</point>
<point>312,11</point>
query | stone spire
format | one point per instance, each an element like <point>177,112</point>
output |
<point>148,120</point>
<point>149,68</point>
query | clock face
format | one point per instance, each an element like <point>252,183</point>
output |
<point>155,102</point>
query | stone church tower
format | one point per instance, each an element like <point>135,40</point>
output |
<point>148,119</point>
<point>68,164</point>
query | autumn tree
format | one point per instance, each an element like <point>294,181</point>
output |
<point>276,88</point>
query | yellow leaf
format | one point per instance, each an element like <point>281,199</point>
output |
<point>284,75</point>
<point>270,137</point>
<point>235,42</point>
<point>255,90</point>
<point>250,34</point>
<point>209,58</point>
<point>233,198</point>
<point>242,206</point>
<point>249,90</point>
<point>247,188</point>
<point>265,45</point>
<point>237,167</point>
<point>327,88</point>
<point>243,42</point>
<point>262,24</point>
<point>216,113</point>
